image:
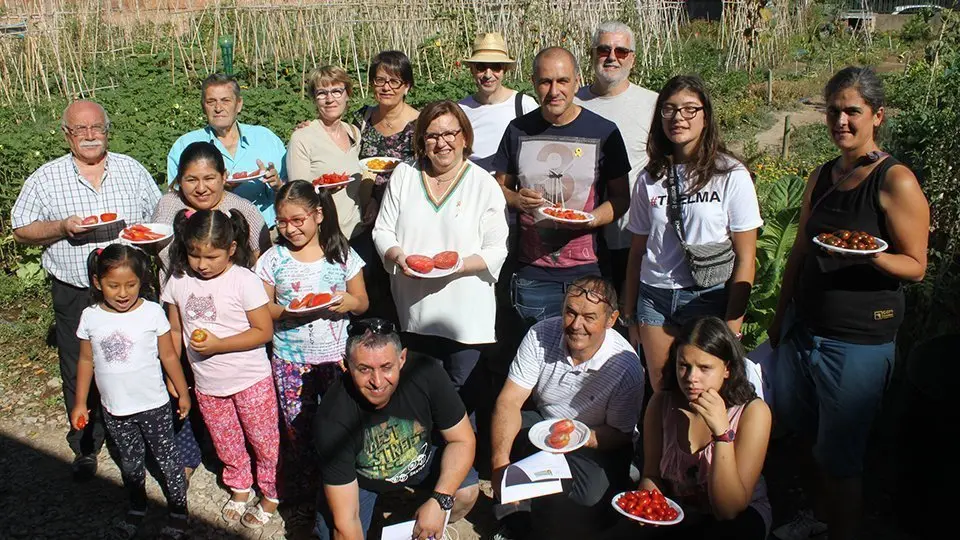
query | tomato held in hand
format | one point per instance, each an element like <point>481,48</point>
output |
<point>90,220</point>
<point>563,426</point>
<point>199,335</point>
<point>109,216</point>
<point>81,422</point>
<point>558,440</point>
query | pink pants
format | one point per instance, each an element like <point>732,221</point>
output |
<point>247,416</point>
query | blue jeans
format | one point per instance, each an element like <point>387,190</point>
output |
<point>537,300</point>
<point>368,499</point>
<point>674,307</point>
<point>831,390</point>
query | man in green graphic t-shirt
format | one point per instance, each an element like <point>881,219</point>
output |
<point>373,434</point>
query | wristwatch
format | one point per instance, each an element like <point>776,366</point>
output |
<point>729,436</point>
<point>445,501</point>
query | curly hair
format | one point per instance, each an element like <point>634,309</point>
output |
<point>712,336</point>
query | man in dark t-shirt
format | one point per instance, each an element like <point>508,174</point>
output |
<point>373,433</point>
<point>559,155</point>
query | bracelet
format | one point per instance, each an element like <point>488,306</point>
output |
<point>628,320</point>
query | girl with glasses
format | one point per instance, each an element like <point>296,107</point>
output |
<point>692,197</point>
<point>311,257</point>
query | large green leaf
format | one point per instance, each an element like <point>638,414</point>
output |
<point>786,193</point>
<point>778,235</point>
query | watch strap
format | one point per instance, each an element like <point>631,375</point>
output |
<point>445,501</point>
<point>729,436</point>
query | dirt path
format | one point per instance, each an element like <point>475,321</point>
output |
<point>771,139</point>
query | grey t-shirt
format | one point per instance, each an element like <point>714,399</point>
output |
<point>633,112</point>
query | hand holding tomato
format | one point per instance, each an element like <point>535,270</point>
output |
<point>210,344</point>
<point>79,417</point>
<point>73,227</point>
<point>711,407</point>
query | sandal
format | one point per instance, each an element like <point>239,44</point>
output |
<point>238,508</point>
<point>260,517</point>
<point>176,529</point>
<point>127,528</point>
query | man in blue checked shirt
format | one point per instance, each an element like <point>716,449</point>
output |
<point>245,147</point>
<point>53,202</point>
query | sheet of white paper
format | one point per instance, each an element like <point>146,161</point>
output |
<point>404,531</point>
<point>544,465</point>
<point>529,491</point>
<point>534,476</point>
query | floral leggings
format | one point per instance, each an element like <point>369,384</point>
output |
<point>135,433</point>
<point>249,416</point>
<point>299,388</point>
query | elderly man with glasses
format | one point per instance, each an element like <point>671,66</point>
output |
<point>576,367</point>
<point>631,108</point>
<point>375,433</point>
<point>61,206</point>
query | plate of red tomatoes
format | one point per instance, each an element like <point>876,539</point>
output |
<point>440,265</point>
<point>332,180</point>
<point>559,435</point>
<point>312,302</point>
<point>648,506</point>
<point>94,221</point>
<point>240,177</point>
<point>566,215</point>
<point>146,233</point>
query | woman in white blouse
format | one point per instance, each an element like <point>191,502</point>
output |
<point>444,203</point>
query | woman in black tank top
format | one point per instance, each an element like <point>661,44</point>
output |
<point>836,351</point>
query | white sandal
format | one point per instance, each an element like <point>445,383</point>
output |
<point>237,507</point>
<point>260,516</point>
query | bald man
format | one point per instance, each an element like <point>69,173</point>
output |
<point>559,154</point>
<point>49,211</point>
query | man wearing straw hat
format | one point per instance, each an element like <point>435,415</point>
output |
<point>493,105</point>
<point>559,155</point>
<point>631,107</point>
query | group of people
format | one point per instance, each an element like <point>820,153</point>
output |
<point>400,380</point>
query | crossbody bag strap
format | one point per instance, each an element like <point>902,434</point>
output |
<point>674,212</point>
<point>518,105</point>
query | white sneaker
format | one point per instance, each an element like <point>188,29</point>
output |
<point>803,526</point>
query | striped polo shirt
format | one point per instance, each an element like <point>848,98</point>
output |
<point>607,389</point>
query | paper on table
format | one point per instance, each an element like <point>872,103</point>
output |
<point>404,531</point>
<point>534,476</point>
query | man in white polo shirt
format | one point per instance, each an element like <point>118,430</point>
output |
<point>573,366</point>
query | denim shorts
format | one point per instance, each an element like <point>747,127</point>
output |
<point>831,390</point>
<point>674,307</point>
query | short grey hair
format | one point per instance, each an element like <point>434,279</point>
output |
<point>372,340</point>
<point>613,27</point>
<point>219,79</point>
<point>551,51</point>
<point>63,116</point>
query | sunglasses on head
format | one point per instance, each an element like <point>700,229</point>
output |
<point>373,325</point>
<point>604,51</point>
<point>592,296</point>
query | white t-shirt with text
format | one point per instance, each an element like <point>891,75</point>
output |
<point>490,121</point>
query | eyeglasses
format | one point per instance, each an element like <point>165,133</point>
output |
<point>686,112</point>
<point>448,136</point>
<point>335,93</point>
<point>96,129</point>
<point>604,51</point>
<point>483,66</point>
<point>592,296</point>
<point>373,325</point>
<point>296,222</point>
<point>393,83</point>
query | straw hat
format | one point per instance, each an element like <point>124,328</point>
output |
<point>490,48</point>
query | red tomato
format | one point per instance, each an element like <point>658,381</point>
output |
<point>305,303</point>
<point>109,216</point>
<point>320,299</point>
<point>563,426</point>
<point>445,260</point>
<point>81,422</point>
<point>199,335</point>
<point>297,303</point>
<point>90,220</point>
<point>420,264</point>
<point>558,440</point>
<point>239,175</point>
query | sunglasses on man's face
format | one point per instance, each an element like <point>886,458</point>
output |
<point>603,51</point>
<point>373,325</point>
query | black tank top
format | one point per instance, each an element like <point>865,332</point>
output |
<point>842,298</point>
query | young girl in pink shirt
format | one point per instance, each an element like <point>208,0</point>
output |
<point>220,308</point>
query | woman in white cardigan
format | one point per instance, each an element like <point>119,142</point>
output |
<point>444,203</point>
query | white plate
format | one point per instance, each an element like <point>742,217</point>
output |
<point>232,180</point>
<point>364,161</point>
<point>338,184</point>
<point>159,228</point>
<point>590,217</point>
<point>101,223</point>
<point>541,430</point>
<point>672,504</point>
<point>437,273</point>
<point>881,246</point>
<point>335,300</point>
